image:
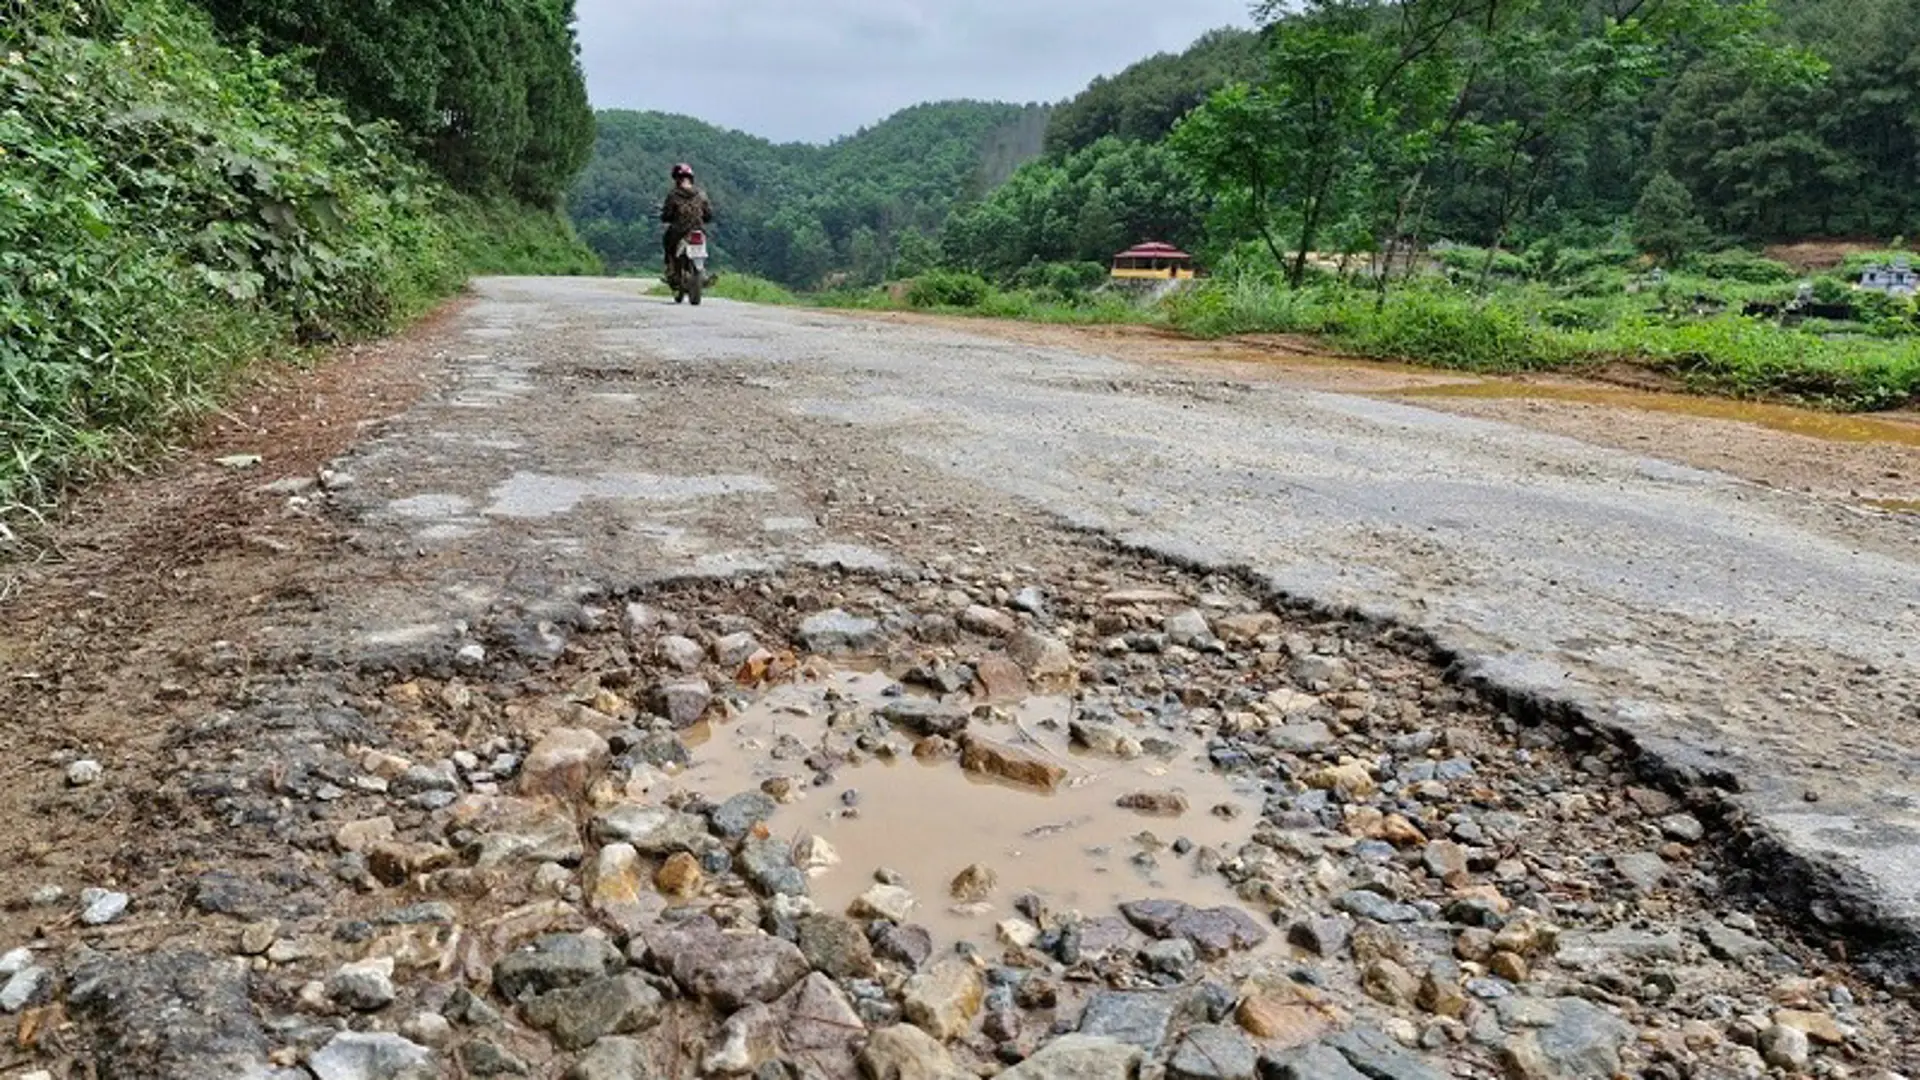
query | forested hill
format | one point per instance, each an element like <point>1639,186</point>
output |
<point>796,212</point>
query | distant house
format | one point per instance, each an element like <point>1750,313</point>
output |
<point>1897,279</point>
<point>1153,260</point>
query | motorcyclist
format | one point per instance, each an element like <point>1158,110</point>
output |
<point>686,209</point>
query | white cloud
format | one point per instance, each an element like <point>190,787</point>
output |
<point>815,69</point>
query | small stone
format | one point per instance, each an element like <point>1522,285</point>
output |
<point>1819,1027</point>
<point>15,961</point>
<point>680,877</point>
<point>1364,904</point>
<point>681,654</point>
<point>1440,992</point>
<point>988,622</point>
<point>614,1058</point>
<point>905,1052</point>
<point>1353,780</point>
<point>836,632</point>
<point>1021,934</point>
<point>1530,935</point>
<point>1104,739</point>
<point>1012,765</point>
<point>737,816</point>
<point>1174,958</point>
<point>1322,937</point>
<point>1684,828</point>
<point>428,1029</point>
<point>1447,861</point>
<point>975,884</point>
<point>555,962</point>
<point>101,906</point>
<point>484,1057</point>
<point>944,998</point>
<point>25,987</point>
<point>908,945</point>
<point>1213,1052</point>
<point>1315,1062</point>
<point>1509,966</point>
<point>813,855</point>
<point>84,772</point>
<point>749,1038</point>
<point>1378,1055</point>
<point>578,1016</point>
<point>1728,944</point>
<point>836,947</point>
<point>1562,1039</point>
<point>1645,871</point>
<point>1390,984</point>
<point>564,763</point>
<point>366,986</point>
<point>1043,657</point>
<point>353,1055</point>
<point>1080,1057</point>
<point>362,835</point>
<point>1156,803</point>
<point>767,862</point>
<point>1188,628</point>
<point>727,970</point>
<point>257,938</point>
<point>890,902</point>
<point>922,717</point>
<point>1141,1018</point>
<point>683,702</point>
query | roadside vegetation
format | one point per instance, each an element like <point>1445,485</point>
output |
<point>175,205</point>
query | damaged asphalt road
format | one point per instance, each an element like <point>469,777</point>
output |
<point>589,562</point>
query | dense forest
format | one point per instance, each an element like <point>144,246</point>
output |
<point>863,206</point>
<point>189,187</point>
<point>1348,125</point>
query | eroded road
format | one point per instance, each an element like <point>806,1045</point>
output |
<point>482,760</point>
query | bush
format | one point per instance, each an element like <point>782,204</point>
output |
<point>1737,264</point>
<point>948,288</point>
<point>170,210</point>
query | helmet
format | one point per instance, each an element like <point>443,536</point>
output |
<point>683,170</point>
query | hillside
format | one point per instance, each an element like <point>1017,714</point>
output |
<point>796,212</point>
<point>176,206</point>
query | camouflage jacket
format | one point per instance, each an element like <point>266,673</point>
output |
<point>685,211</point>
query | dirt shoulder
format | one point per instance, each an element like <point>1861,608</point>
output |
<point>1865,463</point>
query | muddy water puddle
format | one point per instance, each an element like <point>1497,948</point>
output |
<point>1833,427</point>
<point>928,820</point>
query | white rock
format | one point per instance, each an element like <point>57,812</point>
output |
<point>889,902</point>
<point>814,855</point>
<point>84,772</point>
<point>428,1029</point>
<point>15,962</point>
<point>22,988</point>
<point>365,986</point>
<point>102,906</point>
<point>352,1055</point>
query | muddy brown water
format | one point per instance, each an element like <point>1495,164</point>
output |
<point>929,820</point>
<point>1834,427</point>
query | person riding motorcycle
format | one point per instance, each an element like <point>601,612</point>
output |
<point>687,208</point>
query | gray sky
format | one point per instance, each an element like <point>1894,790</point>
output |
<point>815,69</point>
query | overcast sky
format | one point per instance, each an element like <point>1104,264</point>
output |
<point>815,69</point>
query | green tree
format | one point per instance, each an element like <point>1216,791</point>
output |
<point>1664,221</point>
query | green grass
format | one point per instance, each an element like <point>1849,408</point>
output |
<point>1524,329</point>
<point>751,290</point>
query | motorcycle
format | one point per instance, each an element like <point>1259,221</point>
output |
<point>689,275</point>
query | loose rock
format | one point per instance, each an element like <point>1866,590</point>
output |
<point>578,1016</point>
<point>353,1055</point>
<point>1213,1052</point>
<point>1007,763</point>
<point>1080,1057</point>
<point>366,986</point>
<point>945,998</point>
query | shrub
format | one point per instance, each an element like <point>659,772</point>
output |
<point>948,288</point>
<point>1737,264</point>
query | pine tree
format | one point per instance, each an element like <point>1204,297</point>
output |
<point>1664,223</point>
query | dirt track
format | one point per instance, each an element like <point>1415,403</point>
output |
<point>204,639</point>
